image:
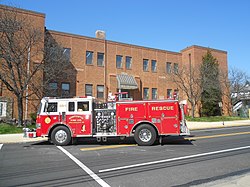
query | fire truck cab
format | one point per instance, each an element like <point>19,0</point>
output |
<point>62,120</point>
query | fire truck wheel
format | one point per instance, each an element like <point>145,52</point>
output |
<point>61,136</point>
<point>145,135</point>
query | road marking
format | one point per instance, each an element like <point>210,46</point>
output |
<point>107,147</point>
<point>85,168</point>
<point>131,145</point>
<point>1,145</point>
<point>173,159</point>
<point>215,136</point>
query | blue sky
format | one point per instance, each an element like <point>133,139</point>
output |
<point>163,24</point>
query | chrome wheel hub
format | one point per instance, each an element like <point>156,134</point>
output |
<point>145,135</point>
<point>61,136</point>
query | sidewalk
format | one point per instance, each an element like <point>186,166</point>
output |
<point>18,138</point>
<point>208,125</point>
<point>234,181</point>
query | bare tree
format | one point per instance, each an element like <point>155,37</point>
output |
<point>233,84</point>
<point>27,56</point>
<point>226,94</point>
<point>188,80</point>
<point>20,43</point>
<point>238,79</point>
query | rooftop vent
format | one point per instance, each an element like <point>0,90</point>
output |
<point>100,34</point>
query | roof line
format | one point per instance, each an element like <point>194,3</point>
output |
<point>11,8</point>
<point>197,46</point>
<point>110,41</point>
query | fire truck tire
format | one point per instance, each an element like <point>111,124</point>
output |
<point>61,136</point>
<point>145,135</point>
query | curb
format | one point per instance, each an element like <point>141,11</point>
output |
<point>213,125</point>
<point>19,138</point>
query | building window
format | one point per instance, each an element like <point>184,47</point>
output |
<point>118,61</point>
<point>154,93</point>
<point>145,64</point>
<point>100,59</point>
<point>66,54</point>
<point>3,109</point>
<point>65,89</point>
<point>128,62</point>
<point>168,67</point>
<point>176,94</point>
<point>100,91</point>
<point>53,89</point>
<point>176,68</point>
<point>88,89</point>
<point>145,93</point>
<point>1,88</point>
<point>89,57</point>
<point>169,93</point>
<point>153,66</point>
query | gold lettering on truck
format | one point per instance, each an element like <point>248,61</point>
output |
<point>131,109</point>
<point>162,108</point>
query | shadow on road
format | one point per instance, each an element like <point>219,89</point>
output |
<point>168,140</point>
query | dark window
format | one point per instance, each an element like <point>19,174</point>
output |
<point>52,107</point>
<point>100,91</point>
<point>3,109</point>
<point>1,88</point>
<point>176,68</point>
<point>100,59</point>
<point>66,53</point>
<point>176,94</point>
<point>53,89</point>
<point>128,62</point>
<point>71,106</point>
<point>89,57</point>
<point>145,64</point>
<point>168,67</point>
<point>154,93</point>
<point>88,89</point>
<point>169,93</point>
<point>145,93</point>
<point>118,61</point>
<point>82,106</point>
<point>65,89</point>
<point>153,66</point>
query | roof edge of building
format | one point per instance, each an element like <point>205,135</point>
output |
<point>110,41</point>
<point>21,10</point>
<point>201,47</point>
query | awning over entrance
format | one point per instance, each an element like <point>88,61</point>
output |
<point>126,82</point>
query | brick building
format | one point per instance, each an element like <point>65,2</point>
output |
<point>103,66</point>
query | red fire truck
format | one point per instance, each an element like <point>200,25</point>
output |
<point>63,120</point>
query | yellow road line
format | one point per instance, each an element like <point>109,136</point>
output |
<point>215,136</point>
<point>107,147</point>
<point>132,145</point>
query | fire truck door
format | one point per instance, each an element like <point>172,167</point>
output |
<point>80,117</point>
<point>170,120</point>
<point>163,115</point>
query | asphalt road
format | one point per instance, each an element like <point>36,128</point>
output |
<point>208,155</point>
